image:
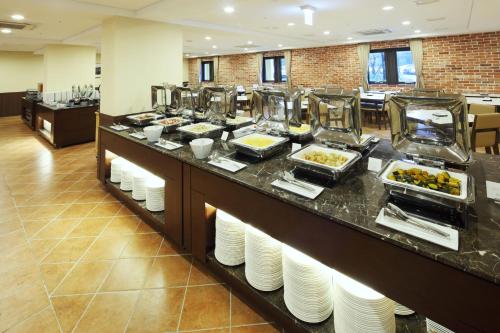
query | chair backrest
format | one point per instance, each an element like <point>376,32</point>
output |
<point>486,130</point>
<point>481,109</point>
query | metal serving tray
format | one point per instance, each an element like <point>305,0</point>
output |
<point>298,159</point>
<point>213,132</point>
<point>238,122</point>
<point>261,153</point>
<point>300,137</point>
<point>172,127</point>
<point>136,119</point>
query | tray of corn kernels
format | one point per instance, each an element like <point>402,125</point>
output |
<point>259,145</point>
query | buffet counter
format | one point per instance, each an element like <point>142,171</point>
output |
<point>66,125</point>
<point>459,289</point>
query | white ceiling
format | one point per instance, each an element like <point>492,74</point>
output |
<point>264,22</point>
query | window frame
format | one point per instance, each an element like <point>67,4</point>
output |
<point>391,66</point>
<point>211,70</point>
<point>277,69</point>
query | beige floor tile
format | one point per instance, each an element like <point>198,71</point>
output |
<point>42,247</point>
<point>92,196</point>
<point>144,228</point>
<point>86,277</point>
<point>31,228</point>
<point>91,226</point>
<point>109,247</point>
<point>69,250</point>
<point>171,271</point>
<point>67,197</point>
<point>58,228</point>
<point>11,226</point>
<point>125,225</point>
<point>108,313</point>
<point>54,273</point>
<point>167,248</point>
<point>105,209</point>
<point>262,328</point>
<point>157,311</point>
<point>205,307</point>
<point>43,322</point>
<point>77,211</point>
<point>127,274</point>
<point>69,309</point>
<point>200,275</point>
<point>18,276</point>
<point>83,185</point>
<point>45,212</point>
<point>124,211</point>
<point>242,314</point>
<point>142,246</point>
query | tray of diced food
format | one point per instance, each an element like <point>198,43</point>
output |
<point>201,130</point>
<point>171,124</point>
<point>143,119</point>
<point>259,145</point>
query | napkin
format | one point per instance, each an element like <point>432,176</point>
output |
<point>298,189</point>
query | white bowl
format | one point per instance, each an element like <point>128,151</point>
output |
<point>201,147</point>
<point>153,133</point>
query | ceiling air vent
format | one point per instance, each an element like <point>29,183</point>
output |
<point>246,46</point>
<point>16,25</point>
<point>424,2</point>
<point>436,19</point>
<point>372,32</point>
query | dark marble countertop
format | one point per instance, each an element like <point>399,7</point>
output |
<point>55,108</point>
<point>356,200</point>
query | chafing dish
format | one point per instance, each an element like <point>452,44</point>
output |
<point>336,120</point>
<point>301,133</point>
<point>259,145</point>
<point>275,110</point>
<point>217,104</point>
<point>238,122</point>
<point>324,161</point>
<point>201,130</point>
<point>432,131</point>
<point>143,119</point>
<point>182,103</point>
<point>171,124</point>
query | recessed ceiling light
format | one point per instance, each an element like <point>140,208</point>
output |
<point>6,31</point>
<point>308,11</point>
<point>249,42</point>
<point>17,17</point>
<point>406,23</point>
<point>208,38</point>
<point>388,8</point>
<point>326,32</point>
<point>280,45</point>
<point>206,52</point>
<point>187,54</point>
<point>349,38</point>
<point>246,49</point>
<point>417,31</point>
<point>214,46</point>
<point>291,24</point>
<point>229,10</point>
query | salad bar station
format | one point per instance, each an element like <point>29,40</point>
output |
<point>279,209</point>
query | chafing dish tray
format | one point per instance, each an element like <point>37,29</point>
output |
<point>238,122</point>
<point>143,119</point>
<point>259,145</point>
<point>201,130</point>
<point>324,161</point>
<point>171,124</point>
<point>300,133</point>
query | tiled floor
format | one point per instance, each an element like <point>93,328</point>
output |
<point>73,259</point>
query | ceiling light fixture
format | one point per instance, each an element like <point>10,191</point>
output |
<point>291,24</point>
<point>417,31</point>
<point>308,14</point>
<point>6,31</point>
<point>406,23</point>
<point>208,38</point>
<point>246,49</point>
<point>17,17</point>
<point>229,10</point>
<point>249,42</point>
<point>349,38</point>
<point>326,32</point>
<point>280,45</point>
<point>387,8</point>
<point>187,54</point>
<point>214,46</point>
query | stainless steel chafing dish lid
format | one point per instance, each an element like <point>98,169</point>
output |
<point>335,118</point>
<point>276,109</point>
<point>431,127</point>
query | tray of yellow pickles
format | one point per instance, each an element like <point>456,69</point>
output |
<point>324,160</point>
<point>259,145</point>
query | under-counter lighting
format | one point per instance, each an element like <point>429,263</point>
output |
<point>326,33</point>
<point>6,31</point>
<point>406,23</point>
<point>229,10</point>
<point>208,37</point>
<point>291,24</point>
<point>308,14</point>
<point>17,17</point>
<point>387,8</point>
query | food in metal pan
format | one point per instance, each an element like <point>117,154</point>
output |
<point>329,159</point>
<point>441,181</point>
<point>170,121</point>
<point>304,128</point>
<point>258,142</point>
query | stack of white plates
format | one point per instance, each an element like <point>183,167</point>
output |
<point>139,178</point>
<point>229,239</point>
<point>433,327</point>
<point>155,194</point>
<point>127,173</point>
<point>308,286</point>
<point>263,265</point>
<point>402,310</point>
<point>359,308</point>
<point>116,169</point>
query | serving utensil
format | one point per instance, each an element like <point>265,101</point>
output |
<point>165,142</point>
<point>401,215</point>
<point>288,177</point>
<point>217,158</point>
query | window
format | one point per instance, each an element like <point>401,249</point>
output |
<point>274,69</point>
<point>391,66</point>
<point>207,71</point>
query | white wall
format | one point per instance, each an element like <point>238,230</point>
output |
<point>136,54</point>
<point>68,65</point>
<point>20,71</point>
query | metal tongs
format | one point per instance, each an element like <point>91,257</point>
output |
<point>166,143</point>
<point>401,215</point>
<point>288,177</point>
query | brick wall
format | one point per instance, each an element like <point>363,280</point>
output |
<point>454,63</point>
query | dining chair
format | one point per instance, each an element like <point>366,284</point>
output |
<point>486,132</point>
<point>481,109</point>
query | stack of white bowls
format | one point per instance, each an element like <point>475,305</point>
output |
<point>433,327</point>
<point>229,239</point>
<point>402,310</point>
<point>263,263</point>
<point>127,173</point>
<point>155,194</point>
<point>116,169</point>
<point>359,308</point>
<point>308,286</point>
<point>139,178</point>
